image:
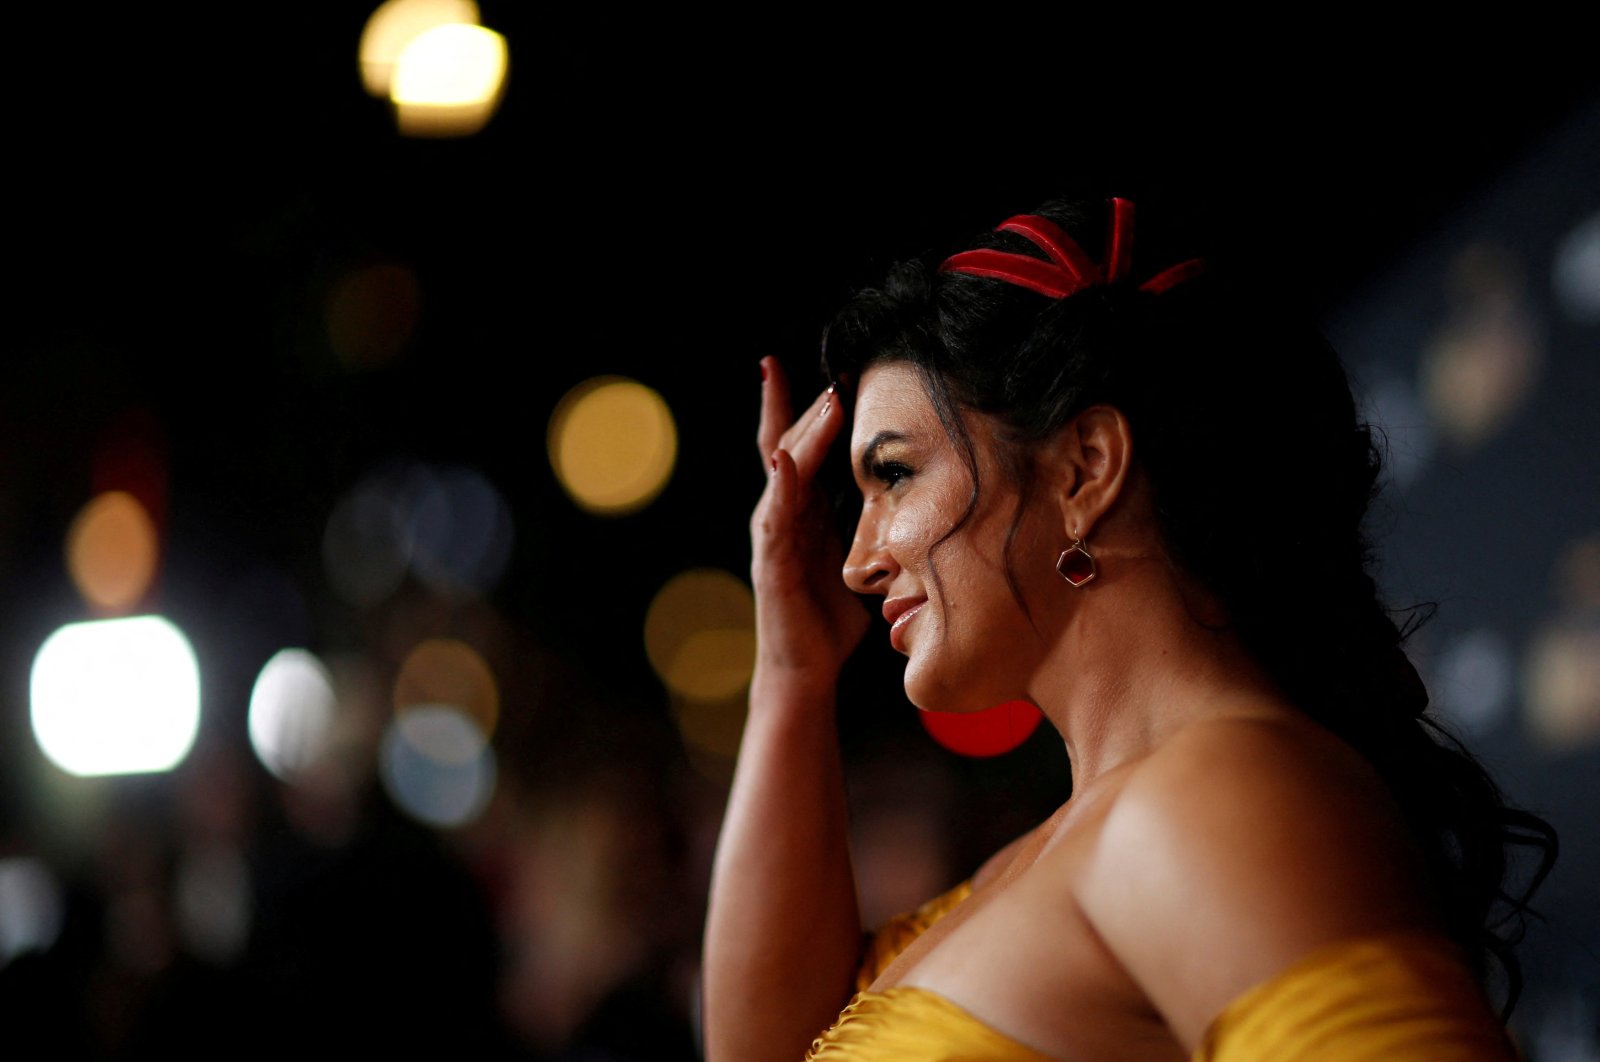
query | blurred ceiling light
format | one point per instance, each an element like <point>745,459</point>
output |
<point>117,696</point>
<point>699,634</point>
<point>371,313</point>
<point>991,732</point>
<point>437,765</point>
<point>443,671</point>
<point>112,551</point>
<point>394,25</point>
<point>449,80</point>
<point>292,710</point>
<point>612,444</point>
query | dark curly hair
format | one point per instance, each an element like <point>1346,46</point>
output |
<point>1205,373</point>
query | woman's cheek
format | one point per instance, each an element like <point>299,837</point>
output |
<point>911,535</point>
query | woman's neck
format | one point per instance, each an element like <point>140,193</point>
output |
<point>1139,656</point>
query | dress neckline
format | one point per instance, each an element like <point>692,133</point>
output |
<point>886,999</point>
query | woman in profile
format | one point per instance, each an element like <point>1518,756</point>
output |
<point>1097,479</point>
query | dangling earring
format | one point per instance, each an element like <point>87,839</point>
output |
<point>1076,565</point>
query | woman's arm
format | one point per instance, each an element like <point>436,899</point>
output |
<point>783,933</point>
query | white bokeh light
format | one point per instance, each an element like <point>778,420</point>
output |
<point>292,709</point>
<point>1576,274</point>
<point>31,907</point>
<point>437,765</point>
<point>118,696</point>
<point>449,80</point>
<point>394,25</point>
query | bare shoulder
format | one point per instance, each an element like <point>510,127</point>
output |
<point>1240,845</point>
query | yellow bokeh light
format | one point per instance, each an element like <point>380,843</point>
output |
<point>443,671</point>
<point>394,25</point>
<point>112,551</point>
<point>711,726</point>
<point>700,634</point>
<point>613,444</point>
<point>1561,686</point>
<point>449,81</point>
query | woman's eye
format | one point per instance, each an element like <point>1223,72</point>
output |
<point>890,473</point>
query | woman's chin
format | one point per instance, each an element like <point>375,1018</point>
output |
<point>940,697</point>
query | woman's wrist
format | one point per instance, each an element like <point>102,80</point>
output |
<point>780,686</point>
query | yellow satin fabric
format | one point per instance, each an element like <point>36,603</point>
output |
<point>913,1025</point>
<point>1395,997</point>
<point>1398,998</point>
<point>909,1024</point>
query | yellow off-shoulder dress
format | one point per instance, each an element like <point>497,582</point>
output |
<point>1397,998</point>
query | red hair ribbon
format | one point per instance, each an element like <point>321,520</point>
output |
<point>1069,269</point>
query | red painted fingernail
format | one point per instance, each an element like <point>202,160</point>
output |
<point>833,387</point>
<point>825,407</point>
<point>763,370</point>
<point>774,463</point>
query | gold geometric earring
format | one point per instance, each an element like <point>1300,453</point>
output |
<point>1076,565</point>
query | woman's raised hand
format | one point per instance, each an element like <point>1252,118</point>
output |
<point>807,620</point>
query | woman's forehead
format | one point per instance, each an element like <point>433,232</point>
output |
<point>891,398</point>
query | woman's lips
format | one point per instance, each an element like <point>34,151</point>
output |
<point>902,613</point>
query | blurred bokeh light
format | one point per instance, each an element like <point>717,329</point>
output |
<point>713,727</point>
<point>436,765</point>
<point>31,907</point>
<point>292,710</point>
<point>1562,685</point>
<point>213,902</point>
<point>1577,272</point>
<point>371,313</point>
<point>443,671</point>
<point>367,545</point>
<point>991,732</point>
<point>612,443</point>
<point>460,531</point>
<point>448,81</point>
<point>1481,366</point>
<point>112,552</point>
<point>119,696</point>
<point>447,525</point>
<point>699,634</point>
<point>1474,679</point>
<point>1561,675</point>
<point>394,25</point>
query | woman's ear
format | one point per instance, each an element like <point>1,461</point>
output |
<point>1092,456</point>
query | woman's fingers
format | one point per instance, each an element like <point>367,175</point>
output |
<point>823,421</point>
<point>779,429</point>
<point>776,413</point>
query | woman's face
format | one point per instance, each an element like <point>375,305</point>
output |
<point>969,644</point>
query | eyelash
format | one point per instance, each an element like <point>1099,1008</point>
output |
<point>890,473</point>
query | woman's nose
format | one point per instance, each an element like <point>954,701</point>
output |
<point>870,567</point>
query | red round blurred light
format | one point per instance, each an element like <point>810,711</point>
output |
<point>990,732</point>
